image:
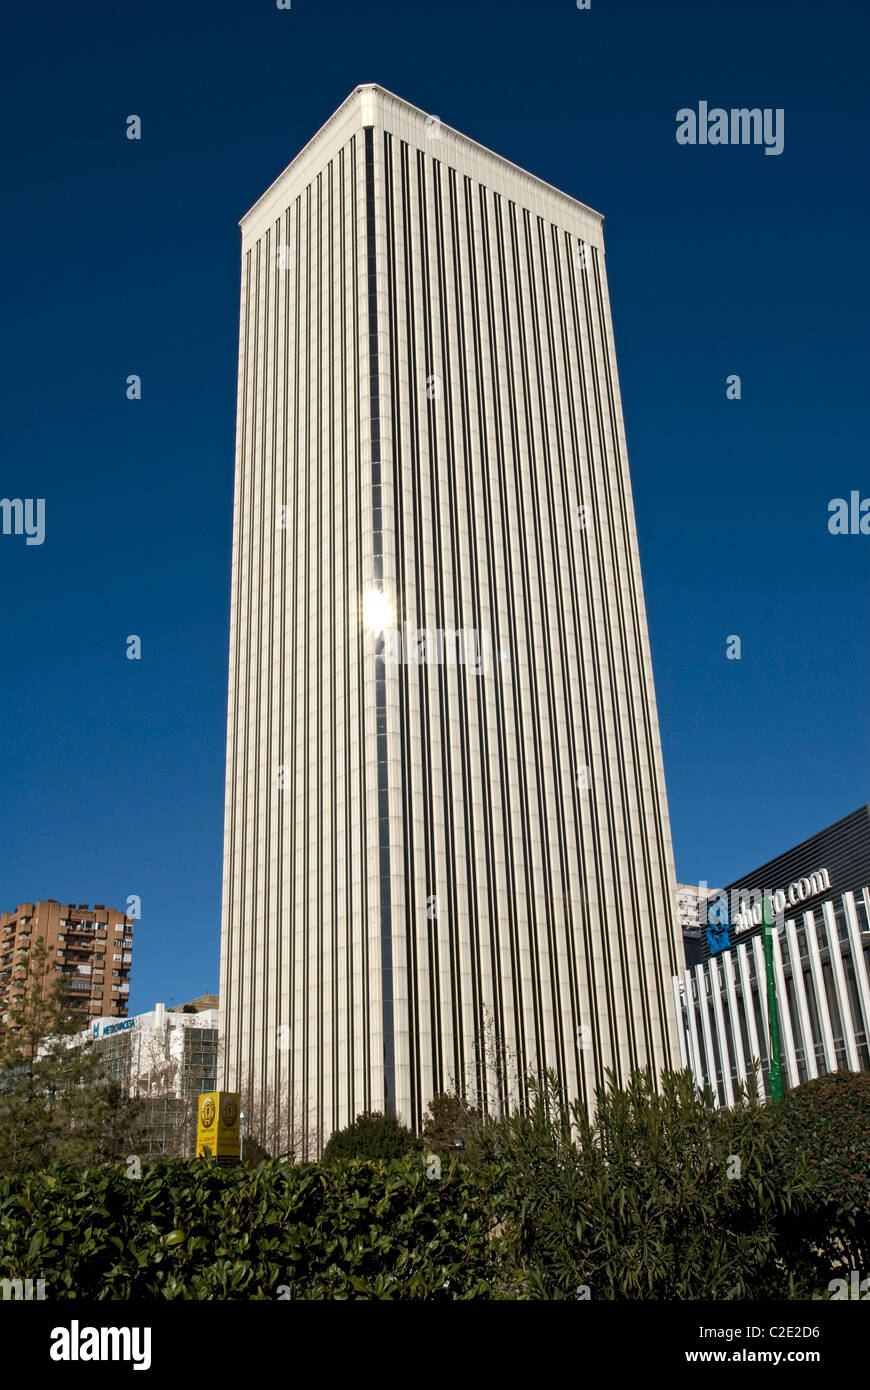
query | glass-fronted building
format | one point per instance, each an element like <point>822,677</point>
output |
<point>165,1058</point>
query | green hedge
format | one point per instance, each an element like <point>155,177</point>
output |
<point>194,1230</point>
<point>661,1197</point>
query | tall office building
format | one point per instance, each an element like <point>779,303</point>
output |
<point>448,859</point>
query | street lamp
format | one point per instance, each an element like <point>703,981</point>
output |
<point>768,931</point>
<point>243,1115</point>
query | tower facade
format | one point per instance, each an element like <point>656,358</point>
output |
<point>448,861</point>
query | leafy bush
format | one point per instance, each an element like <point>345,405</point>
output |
<point>452,1119</point>
<point>198,1231</point>
<point>372,1135</point>
<point>660,1197</point>
<point>825,1124</point>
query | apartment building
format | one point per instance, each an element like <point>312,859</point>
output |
<point>90,948</point>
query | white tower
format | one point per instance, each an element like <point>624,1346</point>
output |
<point>446,829</point>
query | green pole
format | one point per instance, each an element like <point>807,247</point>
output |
<point>772,1010</point>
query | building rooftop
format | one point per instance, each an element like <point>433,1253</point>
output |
<point>366,95</point>
<point>196,1006</point>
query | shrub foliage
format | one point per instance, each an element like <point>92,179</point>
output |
<point>825,1124</point>
<point>372,1135</point>
<point>197,1231</point>
<point>660,1196</point>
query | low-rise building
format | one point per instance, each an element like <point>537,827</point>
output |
<point>164,1058</point>
<point>819,909</point>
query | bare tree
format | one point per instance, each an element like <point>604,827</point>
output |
<point>168,1125</point>
<point>280,1125</point>
<point>492,1082</point>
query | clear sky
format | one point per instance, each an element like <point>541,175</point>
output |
<point>123,257</point>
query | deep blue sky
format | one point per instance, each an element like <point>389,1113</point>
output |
<point>123,257</point>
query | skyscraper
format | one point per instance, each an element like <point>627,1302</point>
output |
<point>448,860</point>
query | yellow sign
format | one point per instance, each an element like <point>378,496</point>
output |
<point>217,1127</point>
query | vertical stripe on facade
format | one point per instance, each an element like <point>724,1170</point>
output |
<point>384,854</point>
